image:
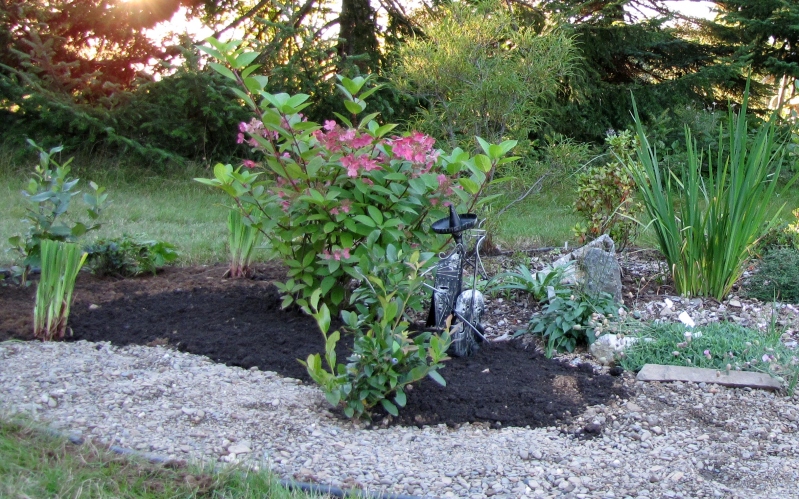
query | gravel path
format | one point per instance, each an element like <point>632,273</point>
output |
<point>670,440</point>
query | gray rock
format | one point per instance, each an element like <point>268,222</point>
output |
<point>602,273</point>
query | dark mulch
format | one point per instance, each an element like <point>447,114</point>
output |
<point>240,323</point>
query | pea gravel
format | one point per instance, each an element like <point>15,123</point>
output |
<point>670,440</point>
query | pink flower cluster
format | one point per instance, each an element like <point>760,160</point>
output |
<point>354,164</point>
<point>416,147</point>
<point>253,128</point>
<point>335,138</point>
<point>345,207</point>
<point>337,254</point>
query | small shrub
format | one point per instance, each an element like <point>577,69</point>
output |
<point>386,357</point>
<point>781,236</point>
<point>48,195</point>
<point>129,256</point>
<point>606,196</point>
<point>777,276</point>
<point>568,321</point>
<point>60,265</point>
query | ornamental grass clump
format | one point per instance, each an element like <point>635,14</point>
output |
<point>60,265</point>
<point>707,226</point>
<point>242,239</point>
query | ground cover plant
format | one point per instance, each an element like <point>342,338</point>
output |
<point>706,227</point>
<point>722,346</point>
<point>129,256</point>
<point>35,464</point>
<point>776,276</point>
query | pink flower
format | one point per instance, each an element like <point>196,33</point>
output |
<point>248,163</point>
<point>334,211</point>
<point>326,255</point>
<point>329,125</point>
<point>362,141</point>
<point>351,163</point>
<point>416,147</point>
<point>707,354</point>
<point>345,205</point>
<point>442,179</point>
<point>240,138</point>
<point>345,252</point>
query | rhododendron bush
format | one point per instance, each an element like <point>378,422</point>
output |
<point>330,195</point>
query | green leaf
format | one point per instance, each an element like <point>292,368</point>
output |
<point>437,377</point>
<point>483,163</point>
<point>400,398</point>
<point>223,70</point>
<point>354,107</point>
<point>245,59</point>
<point>469,185</point>
<point>389,407</point>
<point>375,214</point>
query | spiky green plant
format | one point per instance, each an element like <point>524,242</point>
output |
<point>706,227</point>
<point>242,239</point>
<point>60,265</point>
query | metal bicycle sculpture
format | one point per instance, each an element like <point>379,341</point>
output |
<point>451,306</point>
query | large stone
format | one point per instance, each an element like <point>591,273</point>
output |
<point>602,273</point>
<point>593,267</point>
<point>737,379</point>
<point>606,348</point>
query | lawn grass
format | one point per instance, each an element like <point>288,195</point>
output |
<point>170,206</point>
<point>34,464</point>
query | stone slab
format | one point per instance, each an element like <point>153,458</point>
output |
<point>735,379</point>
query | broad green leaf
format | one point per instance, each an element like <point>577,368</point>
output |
<point>469,185</point>
<point>223,71</point>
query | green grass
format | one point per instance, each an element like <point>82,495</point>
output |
<point>168,207</point>
<point>36,465</point>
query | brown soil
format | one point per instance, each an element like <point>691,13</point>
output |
<point>239,322</point>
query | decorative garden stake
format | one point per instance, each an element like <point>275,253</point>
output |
<point>450,305</point>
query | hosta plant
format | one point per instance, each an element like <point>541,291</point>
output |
<point>567,321</point>
<point>60,265</point>
<point>327,195</point>
<point>128,256</point>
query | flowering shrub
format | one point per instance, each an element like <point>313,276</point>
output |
<point>330,195</point>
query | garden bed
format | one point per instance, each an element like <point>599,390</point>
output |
<point>239,322</point>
